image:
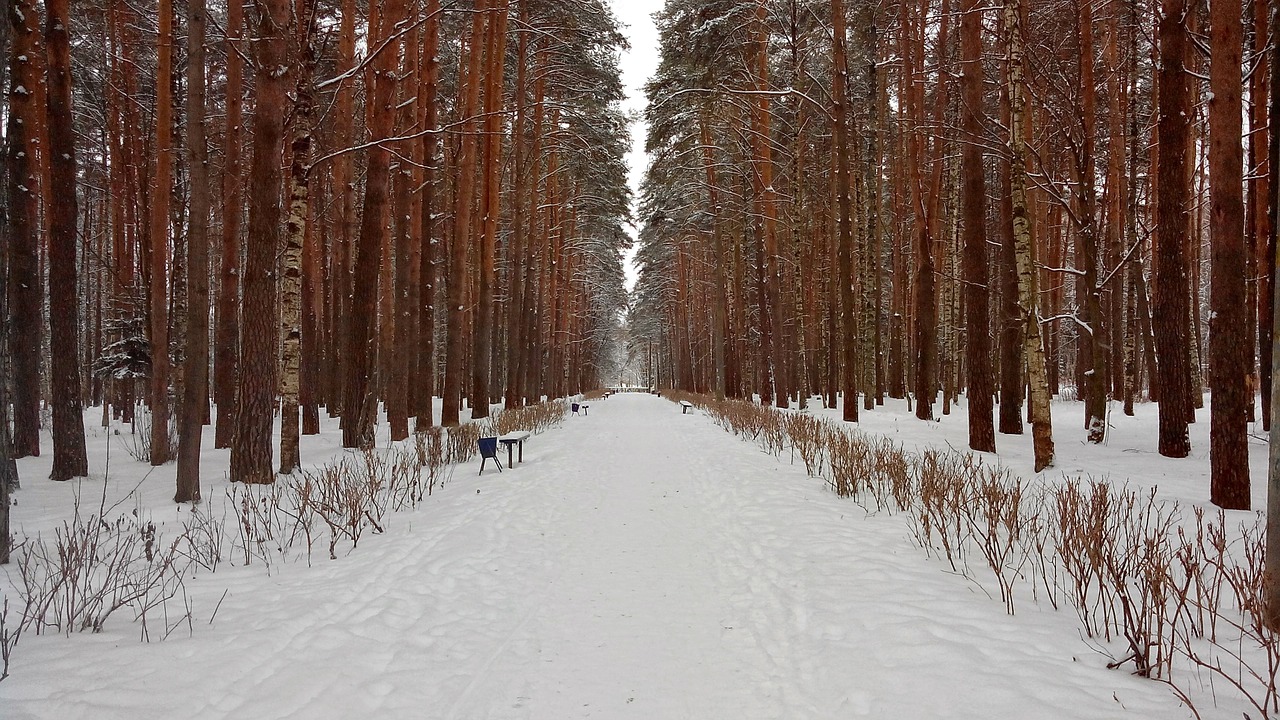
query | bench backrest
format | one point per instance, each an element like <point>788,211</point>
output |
<point>488,447</point>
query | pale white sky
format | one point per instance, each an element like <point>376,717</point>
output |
<point>637,66</point>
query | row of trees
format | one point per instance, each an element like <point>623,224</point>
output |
<point>327,204</point>
<point>924,197</point>
<point>917,198</point>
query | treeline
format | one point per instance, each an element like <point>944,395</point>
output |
<point>217,212</point>
<point>923,198</point>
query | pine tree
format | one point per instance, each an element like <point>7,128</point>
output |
<point>973,195</point>
<point>195,373</point>
<point>161,195</point>
<point>1228,336</point>
<point>257,380</point>
<point>1170,312</point>
<point>25,318</point>
<point>69,457</point>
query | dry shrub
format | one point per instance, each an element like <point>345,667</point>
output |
<point>531,418</point>
<point>94,567</point>
<point>807,436</point>
<point>9,635</point>
<point>1134,572</point>
<point>203,538</point>
<point>941,522</point>
<point>1235,646</point>
<point>850,464</point>
<point>460,443</point>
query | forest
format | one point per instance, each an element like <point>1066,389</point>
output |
<point>222,213</point>
<point>935,200</point>
<point>234,225</point>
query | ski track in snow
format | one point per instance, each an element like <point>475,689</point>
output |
<point>640,564</point>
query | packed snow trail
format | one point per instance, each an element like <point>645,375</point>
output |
<point>640,563</point>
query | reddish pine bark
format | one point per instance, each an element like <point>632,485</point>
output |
<point>1170,312</point>
<point>844,216</point>
<point>361,398</point>
<point>463,197</point>
<point>227,332</point>
<point>195,371</point>
<point>25,288</point>
<point>256,385</point>
<point>973,196</point>
<point>69,459</point>
<point>160,206</point>
<point>1229,322</point>
<point>482,348</point>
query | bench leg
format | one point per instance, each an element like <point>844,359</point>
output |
<point>521,451</point>
<point>508,454</point>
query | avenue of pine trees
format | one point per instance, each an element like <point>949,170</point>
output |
<point>1011,200</point>
<point>225,212</point>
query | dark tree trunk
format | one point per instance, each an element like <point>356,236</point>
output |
<point>463,195</point>
<point>1229,344</point>
<point>195,373</point>
<point>256,385</point>
<point>69,459</point>
<point>1093,335</point>
<point>1171,318</point>
<point>227,331</point>
<point>973,196</point>
<point>485,326</point>
<point>844,217</point>
<point>361,401</point>
<point>161,199</point>
<point>25,314</point>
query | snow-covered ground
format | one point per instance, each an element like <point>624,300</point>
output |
<point>640,563</point>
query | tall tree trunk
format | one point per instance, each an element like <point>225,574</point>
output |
<point>256,383</point>
<point>1012,380</point>
<point>523,183</point>
<point>925,318</point>
<point>1032,344</point>
<point>1170,313</point>
<point>361,401</point>
<point>865,32</point>
<point>69,459</point>
<point>1229,320</point>
<point>408,263</point>
<point>973,196</point>
<point>344,185</point>
<point>227,333</point>
<point>844,216</point>
<point>25,318</point>
<point>1093,333</point>
<point>195,373</point>
<point>463,196</point>
<point>1271,576</point>
<point>426,384</point>
<point>766,211</point>
<point>291,269</point>
<point>482,340</point>
<point>315,345</point>
<point>160,208</point>
<point>1260,140</point>
<point>719,291</point>
<point>8,465</point>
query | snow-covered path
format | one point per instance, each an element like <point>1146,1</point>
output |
<point>640,564</point>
